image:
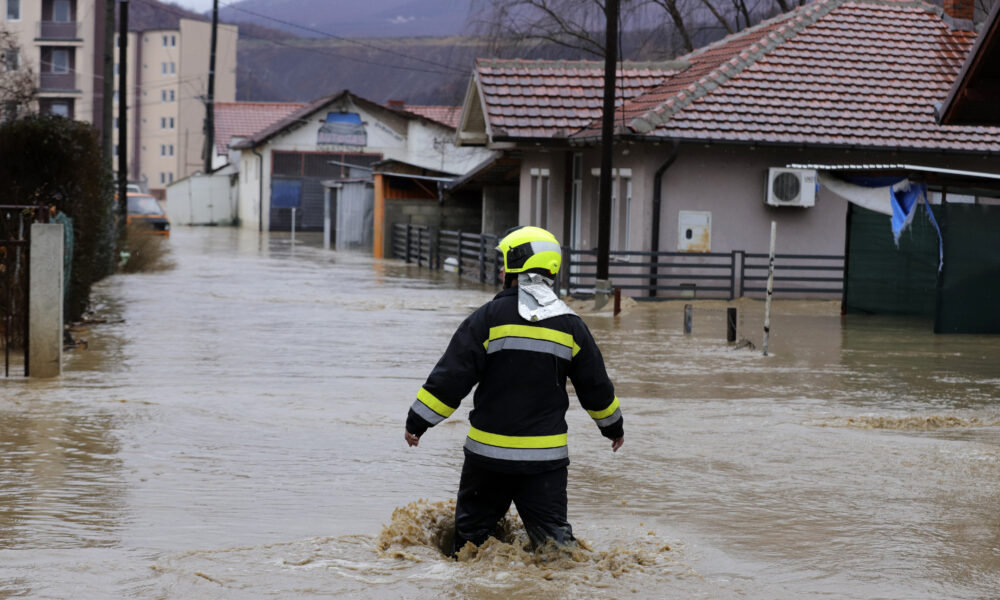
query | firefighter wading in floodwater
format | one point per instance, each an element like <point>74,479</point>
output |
<point>519,348</point>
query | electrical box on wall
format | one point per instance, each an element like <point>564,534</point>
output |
<point>694,231</point>
<point>790,187</point>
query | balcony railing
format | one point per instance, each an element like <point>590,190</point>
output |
<point>61,82</point>
<point>53,30</point>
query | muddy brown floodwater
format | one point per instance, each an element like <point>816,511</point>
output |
<point>234,430</point>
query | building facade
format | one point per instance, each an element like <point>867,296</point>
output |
<point>168,69</point>
<point>62,42</point>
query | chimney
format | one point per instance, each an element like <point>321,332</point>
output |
<point>959,13</point>
<point>400,104</point>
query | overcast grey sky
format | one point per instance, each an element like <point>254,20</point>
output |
<point>199,5</point>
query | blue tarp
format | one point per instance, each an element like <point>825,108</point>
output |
<point>904,206</point>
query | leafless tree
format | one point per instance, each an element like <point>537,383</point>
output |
<point>17,80</point>
<point>578,25</point>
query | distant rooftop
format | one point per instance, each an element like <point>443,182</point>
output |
<point>846,73</point>
<point>244,119</point>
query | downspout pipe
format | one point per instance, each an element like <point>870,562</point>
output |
<point>657,211</point>
<point>260,191</point>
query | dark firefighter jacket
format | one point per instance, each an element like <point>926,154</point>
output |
<point>518,417</point>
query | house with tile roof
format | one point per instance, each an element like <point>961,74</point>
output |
<point>236,121</point>
<point>289,163</point>
<point>697,138</point>
<point>974,98</point>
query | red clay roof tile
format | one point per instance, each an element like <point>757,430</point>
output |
<point>834,72</point>
<point>243,119</point>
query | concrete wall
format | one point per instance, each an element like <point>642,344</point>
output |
<point>254,169</point>
<point>452,215</point>
<point>500,209</point>
<point>45,301</point>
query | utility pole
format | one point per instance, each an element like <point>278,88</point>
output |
<point>108,87</point>
<point>122,121</point>
<point>209,150</point>
<point>603,285</point>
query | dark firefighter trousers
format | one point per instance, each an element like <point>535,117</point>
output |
<point>484,496</point>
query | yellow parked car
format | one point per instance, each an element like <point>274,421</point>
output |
<point>146,210</point>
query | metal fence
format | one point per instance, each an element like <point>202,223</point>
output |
<point>660,275</point>
<point>15,248</point>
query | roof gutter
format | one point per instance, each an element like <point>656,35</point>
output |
<point>657,211</point>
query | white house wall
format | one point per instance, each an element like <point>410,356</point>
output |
<point>412,141</point>
<point>249,189</point>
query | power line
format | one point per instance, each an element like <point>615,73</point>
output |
<point>342,39</point>
<point>332,53</point>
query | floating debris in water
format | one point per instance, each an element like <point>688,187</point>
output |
<point>912,423</point>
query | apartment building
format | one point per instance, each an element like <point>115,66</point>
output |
<point>60,40</point>
<point>169,70</point>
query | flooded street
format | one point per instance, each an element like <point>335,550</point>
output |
<point>235,430</point>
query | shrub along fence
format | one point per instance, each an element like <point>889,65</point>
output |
<point>659,275</point>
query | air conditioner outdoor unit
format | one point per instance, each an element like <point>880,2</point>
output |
<point>791,187</point>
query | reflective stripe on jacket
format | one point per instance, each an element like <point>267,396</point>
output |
<point>519,409</point>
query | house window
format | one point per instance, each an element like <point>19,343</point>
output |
<point>60,61</point>
<point>114,97</point>
<point>173,68</point>
<point>173,40</point>
<point>163,68</point>
<point>13,10</point>
<point>166,40</point>
<point>166,122</point>
<point>626,210</point>
<point>170,95</point>
<point>170,177</point>
<point>621,205</point>
<point>9,111</point>
<point>539,197</point>
<point>163,149</point>
<point>116,149</point>
<point>11,60</point>
<point>116,122</point>
<point>60,107</point>
<point>61,12</point>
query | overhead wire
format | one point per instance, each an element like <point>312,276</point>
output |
<point>306,48</point>
<point>362,43</point>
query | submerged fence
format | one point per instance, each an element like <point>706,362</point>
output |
<point>660,275</point>
<point>15,248</point>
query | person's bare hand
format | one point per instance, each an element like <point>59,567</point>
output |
<point>411,439</point>
<point>617,443</point>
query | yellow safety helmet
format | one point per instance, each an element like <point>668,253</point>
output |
<point>527,248</point>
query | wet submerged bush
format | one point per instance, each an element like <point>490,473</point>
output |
<point>57,161</point>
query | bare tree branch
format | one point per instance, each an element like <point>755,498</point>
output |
<point>17,80</point>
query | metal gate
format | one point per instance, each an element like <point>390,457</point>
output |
<point>15,246</point>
